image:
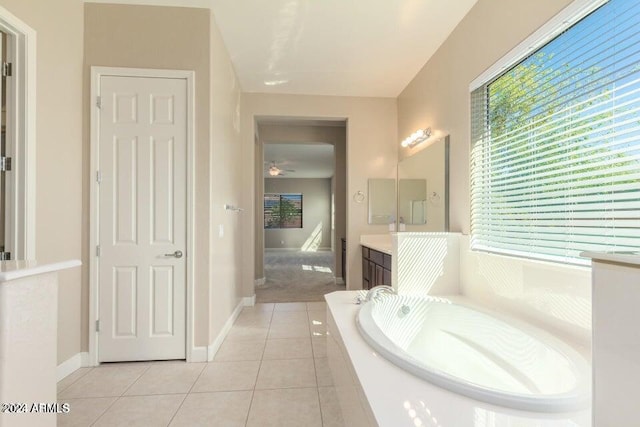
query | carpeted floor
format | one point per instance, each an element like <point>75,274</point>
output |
<point>295,276</point>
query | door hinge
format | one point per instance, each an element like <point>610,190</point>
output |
<point>5,256</point>
<point>98,250</point>
<point>97,326</point>
<point>7,69</point>
<point>5,164</point>
<point>98,177</point>
<point>99,101</point>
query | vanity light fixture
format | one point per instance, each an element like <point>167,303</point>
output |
<point>416,138</point>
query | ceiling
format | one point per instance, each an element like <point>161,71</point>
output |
<point>334,47</point>
<point>329,47</point>
<point>307,160</point>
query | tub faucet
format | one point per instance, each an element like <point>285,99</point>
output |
<point>377,290</point>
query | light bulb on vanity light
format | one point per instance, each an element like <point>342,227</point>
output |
<point>417,137</point>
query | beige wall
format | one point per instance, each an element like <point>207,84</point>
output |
<point>226,187</point>
<point>168,38</point>
<point>371,153</point>
<point>438,96</point>
<point>554,296</point>
<point>316,210</point>
<point>296,133</point>
<point>59,28</point>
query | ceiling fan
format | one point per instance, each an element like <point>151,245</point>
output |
<point>274,170</point>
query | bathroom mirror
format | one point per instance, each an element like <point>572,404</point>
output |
<point>412,201</point>
<point>382,200</point>
<point>423,188</point>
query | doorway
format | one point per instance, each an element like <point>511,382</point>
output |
<point>301,214</point>
<point>18,129</point>
<point>140,291</point>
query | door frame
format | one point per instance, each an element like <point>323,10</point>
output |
<point>21,106</point>
<point>96,74</point>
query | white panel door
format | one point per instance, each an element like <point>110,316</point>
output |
<point>142,218</point>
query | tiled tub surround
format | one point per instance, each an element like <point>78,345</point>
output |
<point>373,391</point>
<point>426,263</point>
<point>553,296</point>
<point>616,339</point>
<point>271,370</point>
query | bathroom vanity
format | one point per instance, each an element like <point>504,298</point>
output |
<point>376,268</point>
<point>616,337</point>
<point>376,260</point>
<point>28,340</point>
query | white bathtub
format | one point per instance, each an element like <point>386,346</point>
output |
<point>477,354</point>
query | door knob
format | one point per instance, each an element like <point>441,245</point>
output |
<point>176,254</point>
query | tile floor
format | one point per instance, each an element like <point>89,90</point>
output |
<point>271,370</point>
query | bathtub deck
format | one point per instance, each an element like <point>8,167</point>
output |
<point>375,391</point>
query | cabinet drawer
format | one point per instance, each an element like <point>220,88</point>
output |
<point>366,275</point>
<point>379,275</point>
<point>365,252</point>
<point>375,256</point>
<point>386,261</point>
<point>386,280</point>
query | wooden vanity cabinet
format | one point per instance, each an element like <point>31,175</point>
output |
<point>376,268</point>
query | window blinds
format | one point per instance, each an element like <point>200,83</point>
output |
<point>555,158</point>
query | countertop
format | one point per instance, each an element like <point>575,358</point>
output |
<point>379,242</point>
<point>632,258</point>
<point>11,270</point>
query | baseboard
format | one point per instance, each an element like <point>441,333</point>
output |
<point>213,348</point>
<point>259,282</point>
<point>249,301</point>
<point>198,354</point>
<point>296,250</point>
<point>71,365</point>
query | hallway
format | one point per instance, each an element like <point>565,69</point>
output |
<point>297,276</point>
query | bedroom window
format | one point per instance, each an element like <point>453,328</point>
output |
<point>555,158</point>
<point>282,210</point>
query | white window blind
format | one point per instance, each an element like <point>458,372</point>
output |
<point>555,161</point>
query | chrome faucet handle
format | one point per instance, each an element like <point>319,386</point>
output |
<point>373,292</point>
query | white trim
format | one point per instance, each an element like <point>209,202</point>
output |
<point>323,249</point>
<point>84,356</point>
<point>21,185</point>
<point>217,342</point>
<point>563,20</point>
<point>199,354</point>
<point>192,353</point>
<point>249,301</point>
<point>71,365</point>
<point>202,4</point>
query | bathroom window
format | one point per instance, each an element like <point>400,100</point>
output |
<point>555,159</point>
<point>282,210</point>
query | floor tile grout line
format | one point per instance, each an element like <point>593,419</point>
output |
<point>320,406</point>
<point>136,380</point>
<point>90,368</point>
<point>105,410</point>
<point>246,419</point>
<point>121,395</point>
<point>178,409</point>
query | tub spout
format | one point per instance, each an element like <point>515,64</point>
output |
<point>377,290</point>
